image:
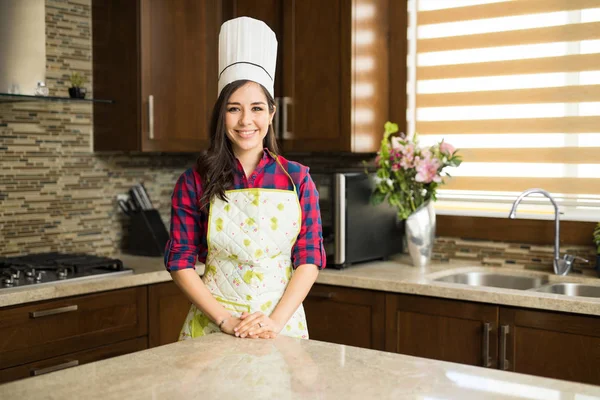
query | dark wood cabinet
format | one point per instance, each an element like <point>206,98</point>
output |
<point>52,328</point>
<point>550,344</point>
<point>167,309</point>
<point>445,330</point>
<point>45,336</point>
<point>73,359</point>
<point>353,317</point>
<point>542,343</point>
<point>332,73</point>
<point>158,60</point>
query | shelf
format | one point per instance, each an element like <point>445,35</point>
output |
<point>13,98</point>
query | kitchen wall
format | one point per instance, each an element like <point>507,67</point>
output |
<point>55,193</point>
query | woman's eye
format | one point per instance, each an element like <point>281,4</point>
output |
<point>257,109</point>
<point>232,109</point>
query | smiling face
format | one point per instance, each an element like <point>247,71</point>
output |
<point>247,119</point>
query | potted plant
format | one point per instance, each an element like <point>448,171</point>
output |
<point>408,176</point>
<point>77,91</point>
<point>597,243</point>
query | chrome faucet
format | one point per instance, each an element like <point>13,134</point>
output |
<point>561,266</point>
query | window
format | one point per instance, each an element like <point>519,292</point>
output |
<point>515,85</point>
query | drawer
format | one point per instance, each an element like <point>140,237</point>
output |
<point>73,359</point>
<point>48,329</point>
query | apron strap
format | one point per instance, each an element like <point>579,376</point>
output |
<point>283,169</point>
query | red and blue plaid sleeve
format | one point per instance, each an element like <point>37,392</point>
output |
<point>187,224</point>
<point>309,245</point>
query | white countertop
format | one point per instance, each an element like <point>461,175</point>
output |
<point>395,276</point>
<point>222,367</point>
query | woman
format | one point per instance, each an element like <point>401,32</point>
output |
<point>250,215</point>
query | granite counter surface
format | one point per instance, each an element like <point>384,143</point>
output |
<point>221,367</point>
<point>395,276</point>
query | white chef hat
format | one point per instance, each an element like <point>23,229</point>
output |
<point>247,50</point>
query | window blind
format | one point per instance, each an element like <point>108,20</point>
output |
<point>515,85</point>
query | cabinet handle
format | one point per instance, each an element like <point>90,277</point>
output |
<point>328,295</point>
<point>487,360</point>
<point>60,310</point>
<point>277,118</point>
<point>285,102</point>
<point>151,117</point>
<point>41,371</point>
<point>504,363</point>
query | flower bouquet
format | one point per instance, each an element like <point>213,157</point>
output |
<point>408,176</point>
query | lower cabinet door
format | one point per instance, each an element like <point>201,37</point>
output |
<point>448,330</point>
<point>52,328</point>
<point>73,359</point>
<point>167,309</point>
<point>550,344</point>
<point>349,316</point>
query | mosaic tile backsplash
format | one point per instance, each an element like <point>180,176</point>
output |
<point>57,195</point>
<point>513,255</point>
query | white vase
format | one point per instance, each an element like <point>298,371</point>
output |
<point>420,234</point>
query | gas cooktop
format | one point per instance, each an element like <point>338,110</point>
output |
<point>46,268</point>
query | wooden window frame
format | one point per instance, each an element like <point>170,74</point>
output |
<point>527,231</point>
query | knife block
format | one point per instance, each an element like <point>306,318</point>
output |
<point>147,234</point>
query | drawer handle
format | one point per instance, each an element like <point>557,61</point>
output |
<point>41,371</point>
<point>504,363</point>
<point>60,310</point>
<point>328,295</point>
<point>487,360</point>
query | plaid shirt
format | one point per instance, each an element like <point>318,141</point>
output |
<point>189,225</point>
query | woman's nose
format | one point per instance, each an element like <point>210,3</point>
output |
<point>245,118</point>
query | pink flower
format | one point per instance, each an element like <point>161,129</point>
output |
<point>396,143</point>
<point>408,156</point>
<point>447,148</point>
<point>427,170</point>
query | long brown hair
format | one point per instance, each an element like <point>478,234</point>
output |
<point>216,166</point>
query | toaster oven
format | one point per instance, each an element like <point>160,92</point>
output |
<point>354,230</point>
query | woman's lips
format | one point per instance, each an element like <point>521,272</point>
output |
<point>246,133</point>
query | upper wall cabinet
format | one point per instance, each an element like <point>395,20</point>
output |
<point>158,60</point>
<point>332,72</point>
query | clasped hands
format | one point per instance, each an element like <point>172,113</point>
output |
<point>254,326</point>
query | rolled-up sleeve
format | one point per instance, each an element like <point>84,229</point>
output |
<point>309,245</point>
<point>187,225</point>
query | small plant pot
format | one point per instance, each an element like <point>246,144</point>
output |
<point>77,92</point>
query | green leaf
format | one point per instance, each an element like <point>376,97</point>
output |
<point>377,197</point>
<point>390,128</point>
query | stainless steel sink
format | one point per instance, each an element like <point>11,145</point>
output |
<point>571,289</point>
<point>495,280</point>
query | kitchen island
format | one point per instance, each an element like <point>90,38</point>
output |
<point>380,305</point>
<point>224,367</point>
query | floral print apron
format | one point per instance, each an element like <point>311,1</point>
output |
<point>249,264</point>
